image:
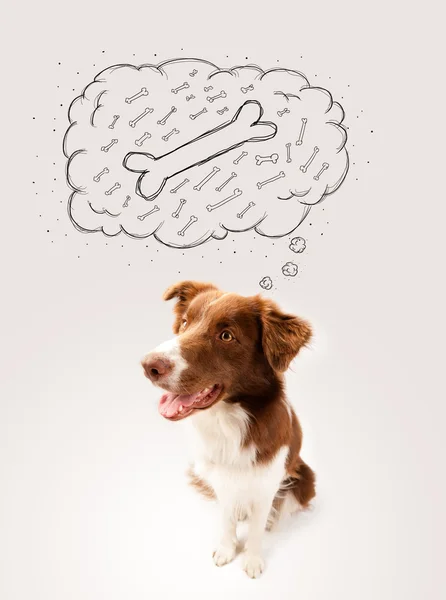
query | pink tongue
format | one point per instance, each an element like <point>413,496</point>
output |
<point>169,404</point>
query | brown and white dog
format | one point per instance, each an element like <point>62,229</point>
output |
<point>224,372</point>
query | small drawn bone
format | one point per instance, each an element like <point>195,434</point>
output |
<point>198,113</point>
<point>208,177</point>
<point>145,136</point>
<point>115,187</point>
<point>245,210</point>
<point>288,152</point>
<point>223,110</point>
<point>175,189</point>
<point>142,92</point>
<point>112,124</point>
<point>208,89</point>
<point>236,194</point>
<point>304,168</point>
<point>302,132</point>
<point>245,90</point>
<point>167,136</point>
<point>191,97</point>
<point>154,210</point>
<point>323,168</point>
<point>176,214</point>
<point>211,99</point>
<point>193,219</point>
<point>220,187</point>
<point>271,158</point>
<point>164,119</point>
<point>237,160</point>
<point>126,202</point>
<point>260,184</point>
<point>183,86</point>
<point>141,116</point>
<point>194,72</point>
<point>99,175</point>
<point>110,145</point>
<point>282,112</point>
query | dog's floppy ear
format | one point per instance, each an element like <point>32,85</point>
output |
<point>185,291</point>
<point>283,335</point>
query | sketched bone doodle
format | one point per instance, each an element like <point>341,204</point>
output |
<point>260,184</point>
<point>115,187</point>
<point>236,194</point>
<point>126,202</point>
<point>164,119</point>
<point>223,110</point>
<point>242,155</point>
<point>273,158</point>
<point>175,189</point>
<point>208,89</point>
<point>304,168</point>
<point>302,132</point>
<point>191,97</point>
<point>147,214</point>
<point>176,214</point>
<point>146,111</point>
<point>283,112</point>
<point>183,86</point>
<point>244,127</point>
<point>240,215</point>
<point>323,168</point>
<point>193,117</point>
<point>211,99</point>
<point>220,187</point>
<point>140,94</point>
<point>168,135</point>
<point>245,90</point>
<point>193,219</point>
<point>113,123</point>
<point>110,145</point>
<point>208,177</point>
<point>194,72</point>
<point>288,152</point>
<point>145,136</point>
<point>99,175</point>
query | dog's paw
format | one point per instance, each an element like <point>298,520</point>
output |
<point>223,555</point>
<point>253,565</point>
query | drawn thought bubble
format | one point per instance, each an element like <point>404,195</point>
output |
<point>185,151</point>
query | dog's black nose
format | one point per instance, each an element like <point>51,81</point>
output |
<point>156,368</point>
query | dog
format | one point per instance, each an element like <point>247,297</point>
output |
<point>224,373</point>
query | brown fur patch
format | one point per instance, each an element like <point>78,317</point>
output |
<point>200,485</point>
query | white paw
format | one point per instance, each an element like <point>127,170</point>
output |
<point>253,565</point>
<point>223,555</point>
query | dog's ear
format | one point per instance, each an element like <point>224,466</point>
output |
<point>283,335</point>
<point>185,291</point>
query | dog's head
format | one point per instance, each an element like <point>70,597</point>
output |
<point>226,346</point>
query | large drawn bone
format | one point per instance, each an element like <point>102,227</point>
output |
<point>142,92</point>
<point>193,219</point>
<point>244,127</point>
<point>260,184</point>
<point>304,168</point>
<point>236,194</point>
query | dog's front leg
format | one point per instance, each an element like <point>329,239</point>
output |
<point>226,549</point>
<point>253,562</point>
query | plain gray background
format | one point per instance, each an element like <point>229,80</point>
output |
<point>93,500</point>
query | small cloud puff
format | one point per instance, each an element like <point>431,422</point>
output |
<point>298,245</point>
<point>266,283</point>
<point>289,269</point>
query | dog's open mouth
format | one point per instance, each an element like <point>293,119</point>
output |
<point>177,406</point>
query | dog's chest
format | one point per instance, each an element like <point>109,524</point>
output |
<point>217,436</point>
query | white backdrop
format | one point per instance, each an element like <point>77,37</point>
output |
<point>93,500</point>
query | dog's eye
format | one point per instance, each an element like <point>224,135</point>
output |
<point>226,336</point>
<point>184,323</point>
